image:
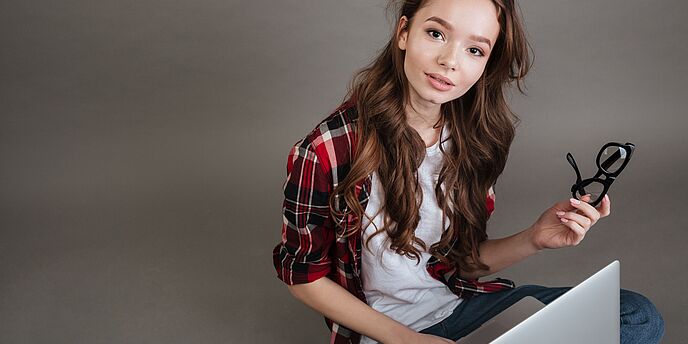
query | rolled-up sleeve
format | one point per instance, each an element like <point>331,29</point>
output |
<point>302,255</point>
<point>491,198</point>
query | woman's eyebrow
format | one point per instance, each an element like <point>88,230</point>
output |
<point>451,28</point>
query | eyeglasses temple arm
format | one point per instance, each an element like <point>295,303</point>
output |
<point>572,161</point>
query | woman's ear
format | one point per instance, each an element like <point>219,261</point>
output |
<point>402,32</point>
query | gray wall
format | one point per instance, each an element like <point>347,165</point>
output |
<point>143,147</point>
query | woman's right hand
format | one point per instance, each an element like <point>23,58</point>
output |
<point>422,338</point>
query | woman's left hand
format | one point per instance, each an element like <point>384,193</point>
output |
<point>566,223</point>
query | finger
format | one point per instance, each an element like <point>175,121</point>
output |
<point>574,226</point>
<point>580,219</point>
<point>605,207</point>
<point>586,209</point>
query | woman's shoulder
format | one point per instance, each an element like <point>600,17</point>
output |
<point>333,138</point>
<point>340,122</point>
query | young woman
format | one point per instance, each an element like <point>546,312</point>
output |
<point>388,197</point>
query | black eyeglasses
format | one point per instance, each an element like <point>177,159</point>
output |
<point>611,160</point>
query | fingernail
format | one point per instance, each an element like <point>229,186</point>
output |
<point>560,213</point>
<point>606,197</point>
<point>575,201</point>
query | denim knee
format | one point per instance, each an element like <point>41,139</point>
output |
<point>642,317</point>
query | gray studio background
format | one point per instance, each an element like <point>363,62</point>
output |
<point>143,148</point>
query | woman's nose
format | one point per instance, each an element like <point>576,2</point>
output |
<point>449,57</point>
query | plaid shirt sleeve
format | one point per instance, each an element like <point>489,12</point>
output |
<point>307,229</point>
<point>463,287</point>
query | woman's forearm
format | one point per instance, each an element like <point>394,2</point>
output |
<point>336,303</point>
<point>502,253</point>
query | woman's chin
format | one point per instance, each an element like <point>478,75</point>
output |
<point>434,99</point>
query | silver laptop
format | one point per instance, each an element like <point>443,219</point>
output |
<point>588,313</point>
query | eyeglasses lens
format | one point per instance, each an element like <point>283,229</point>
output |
<point>591,187</point>
<point>612,158</point>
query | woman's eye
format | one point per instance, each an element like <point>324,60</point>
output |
<point>430,32</point>
<point>479,51</point>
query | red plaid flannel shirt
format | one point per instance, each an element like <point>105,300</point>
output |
<point>309,248</point>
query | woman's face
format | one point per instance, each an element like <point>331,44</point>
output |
<point>450,38</point>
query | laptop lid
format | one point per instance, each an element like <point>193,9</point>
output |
<point>588,313</point>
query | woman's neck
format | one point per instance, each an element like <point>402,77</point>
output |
<point>424,122</point>
<point>422,118</point>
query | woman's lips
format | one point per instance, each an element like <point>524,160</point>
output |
<point>439,85</point>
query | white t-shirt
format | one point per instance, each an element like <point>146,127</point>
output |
<point>396,286</point>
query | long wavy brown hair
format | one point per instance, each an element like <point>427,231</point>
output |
<point>481,127</point>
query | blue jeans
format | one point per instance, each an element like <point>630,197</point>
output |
<point>640,320</point>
